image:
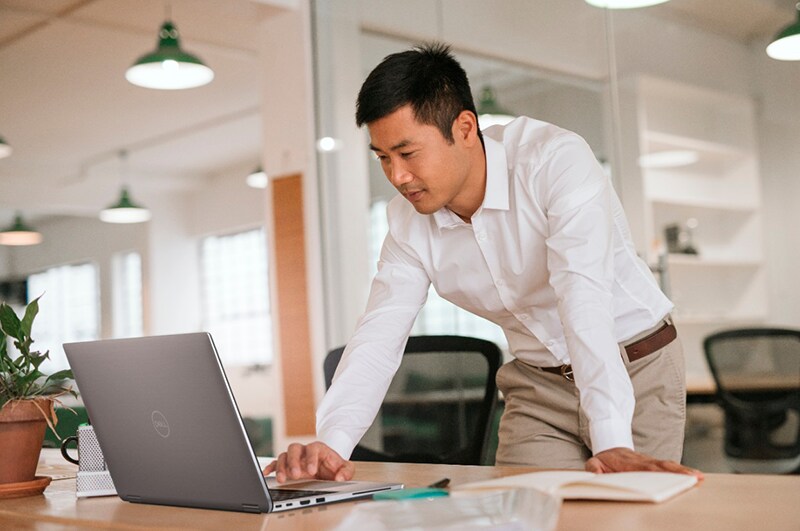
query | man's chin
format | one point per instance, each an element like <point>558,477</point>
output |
<point>424,208</point>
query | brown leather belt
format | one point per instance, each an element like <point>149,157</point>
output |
<point>636,350</point>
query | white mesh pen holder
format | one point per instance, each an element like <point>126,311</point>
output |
<point>93,476</point>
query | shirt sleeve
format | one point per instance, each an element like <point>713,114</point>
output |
<point>375,350</point>
<point>577,198</point>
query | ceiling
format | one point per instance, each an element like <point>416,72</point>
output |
<point>67,110</point>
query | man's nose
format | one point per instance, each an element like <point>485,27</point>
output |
<point>399,174</point>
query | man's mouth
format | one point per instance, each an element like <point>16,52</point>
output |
<point>413,195</point>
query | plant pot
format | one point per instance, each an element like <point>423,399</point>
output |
<point>22,427</point>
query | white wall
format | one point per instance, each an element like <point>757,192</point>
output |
<point>776,87</point>
<point>74,240</point>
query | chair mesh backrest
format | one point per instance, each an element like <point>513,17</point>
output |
<point>439,405</point>
<point>754,359</point>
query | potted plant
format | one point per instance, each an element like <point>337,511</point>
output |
<point>27,398</point>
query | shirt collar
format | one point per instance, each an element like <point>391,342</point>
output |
<point>496,196</point>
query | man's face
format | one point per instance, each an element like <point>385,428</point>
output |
<point>419,161</point>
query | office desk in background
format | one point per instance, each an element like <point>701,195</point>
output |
<point>721,502</point>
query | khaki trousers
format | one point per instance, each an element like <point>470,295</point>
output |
<point>543,424</point>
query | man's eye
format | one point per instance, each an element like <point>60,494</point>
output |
<point>407,154</point>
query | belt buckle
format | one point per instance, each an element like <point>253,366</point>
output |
<point>566,372</point>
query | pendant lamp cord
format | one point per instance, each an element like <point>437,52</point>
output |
<point>613,83</point>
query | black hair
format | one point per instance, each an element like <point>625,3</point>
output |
<point>428,78</point>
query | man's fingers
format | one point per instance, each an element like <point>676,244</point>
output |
<point>280,467</point>
<point>315,460</point>
<point>270,468</point>
<point>294,456</point>
<point>312,458</point>
<point>346,471</point>
<point>672,466</point>
<point>594,465</point>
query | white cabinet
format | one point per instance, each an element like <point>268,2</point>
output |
<point>690,154</point>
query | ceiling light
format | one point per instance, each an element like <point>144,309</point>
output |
<point>124,211</point>
<point>258,178</point>
<point>328,143</point>
<point>624,4</point>
<point>20,234</point>
<point>669,159</point>
<point>489,112</point>
<point>5,149</point>
<point>786,45</point>
<point>169,67</point>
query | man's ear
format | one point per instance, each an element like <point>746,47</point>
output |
<point>465,128</point>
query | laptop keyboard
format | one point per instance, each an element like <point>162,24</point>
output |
<point>289,494</point>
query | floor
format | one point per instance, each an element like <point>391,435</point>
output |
<point>702,447</point>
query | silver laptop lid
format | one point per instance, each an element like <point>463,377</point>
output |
<point>168,423</point>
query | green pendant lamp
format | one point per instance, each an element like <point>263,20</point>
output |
<point>20,234</point>
<point>169,67</point>
<point>258,178</point>
<point>124,210</point>
<point>489,111</point>
<point>5,148</point>
<point>786,45</point>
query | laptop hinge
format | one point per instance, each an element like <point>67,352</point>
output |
<point>251,508</point>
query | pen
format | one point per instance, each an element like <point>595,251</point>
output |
<point>442,483</point>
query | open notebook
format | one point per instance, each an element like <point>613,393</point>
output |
<point>577,485</point>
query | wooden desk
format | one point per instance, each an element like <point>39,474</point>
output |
<point>722,502</point>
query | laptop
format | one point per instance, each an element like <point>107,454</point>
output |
<point>171,432</point>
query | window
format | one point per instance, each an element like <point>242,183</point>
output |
<point>127,269</point>
<point>438,316</point>
<point>69,310</point>
<point>236,296</point>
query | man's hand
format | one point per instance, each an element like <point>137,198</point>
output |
<point>626,460</point>
<point>315,460</point>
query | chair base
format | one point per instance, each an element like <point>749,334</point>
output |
<point>759,466</point>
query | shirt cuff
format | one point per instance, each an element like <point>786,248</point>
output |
<point>339,442</point>
<point>610,433</point>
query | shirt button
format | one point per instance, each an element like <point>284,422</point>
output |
<point>481,236</point>
<point>500,282</point>
<point>523,317</point>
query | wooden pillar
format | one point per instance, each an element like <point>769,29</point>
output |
<point>291,316</point>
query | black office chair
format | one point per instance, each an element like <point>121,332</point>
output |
<point>757,372</point>
<point>439,407</point>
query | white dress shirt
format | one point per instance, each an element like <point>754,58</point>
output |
<point>547,256</point>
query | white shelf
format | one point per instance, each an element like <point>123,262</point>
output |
<point>661,141</point>
<point>710,204</point>
<point>701,261</point>
<point>716,319</point>
<point>725,285</point>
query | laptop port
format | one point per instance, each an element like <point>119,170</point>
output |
<point>320,500</point>
<point>305,502</point>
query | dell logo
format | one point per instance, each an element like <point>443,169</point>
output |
<point>160,423</point>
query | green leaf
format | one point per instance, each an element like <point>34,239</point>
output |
<point>31,377</point>
<point>9,321</point>
<point>37,360</point>
<point>3,345</point>
<point>30,315</point>
<point>66,374</point>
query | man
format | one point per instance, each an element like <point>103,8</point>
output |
<point>523,228</point>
